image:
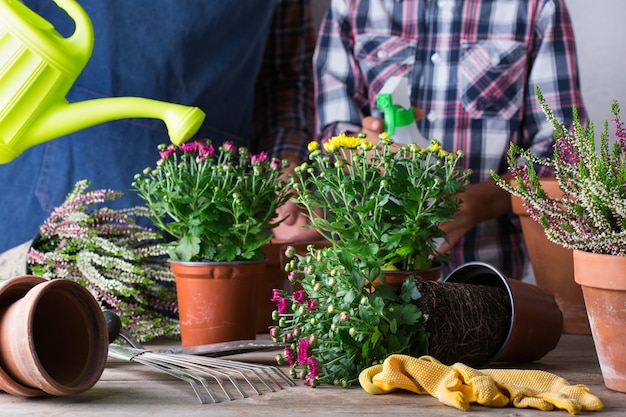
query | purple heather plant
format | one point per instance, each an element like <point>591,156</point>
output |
<point>591,214</point>
<point>218,205</point>
<point>116,259</point>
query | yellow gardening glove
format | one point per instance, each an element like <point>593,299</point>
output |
<point>459,385</point>
<point>427,375</point>
<point>542,390</point>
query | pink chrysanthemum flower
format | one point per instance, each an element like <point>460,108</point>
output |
<point>299,296</point>
<point>259,159</point>
<point>189,147</point>
<point>303,352</point>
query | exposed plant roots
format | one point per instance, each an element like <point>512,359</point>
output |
<point>467,323</point>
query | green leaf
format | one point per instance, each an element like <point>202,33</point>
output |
<point>187,247</point>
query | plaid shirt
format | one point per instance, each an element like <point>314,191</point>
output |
<point>283,118</point>
<point>473,66</point>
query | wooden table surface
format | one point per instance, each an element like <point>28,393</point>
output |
<point>131,389</point>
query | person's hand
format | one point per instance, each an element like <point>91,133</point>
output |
<point>480,202</point>
<point>373,126</point>
<point>291,229</point>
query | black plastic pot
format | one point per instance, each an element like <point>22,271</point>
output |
<point>536,320</point>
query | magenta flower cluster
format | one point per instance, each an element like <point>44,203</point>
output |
<point>304,358</point>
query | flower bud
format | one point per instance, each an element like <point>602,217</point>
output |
<point>353,332</point>
<point>330,308</point>
<point>290,251</point>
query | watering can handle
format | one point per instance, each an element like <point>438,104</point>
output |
<point>82,38</point>
<point>80,42</point>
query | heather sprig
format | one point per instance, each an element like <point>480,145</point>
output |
<point>341,318</point>
<point>219,205</point>
<point>591,214</point>
<point>381,201</point>
<point>117,260</point>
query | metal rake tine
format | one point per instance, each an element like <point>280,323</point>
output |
<point>257,370</point>
<point>184,376</point>
<point>251,368</point>
<point>191,362</point>
<point>240,370</point>
<point>143,356</point>
<point>267,370</point>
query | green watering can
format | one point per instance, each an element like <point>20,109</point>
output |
<point>38,67</point>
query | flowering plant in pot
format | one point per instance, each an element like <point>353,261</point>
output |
<point>591,213</point>
<point>219,205</point>
<point>383,205</point>
<point>117,260</point>
<point>589,217</point>
<point>382,201</point>
<point>339,320</point>
<point>337,323</point>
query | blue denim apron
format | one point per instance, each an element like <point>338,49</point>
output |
<point>204,53</point>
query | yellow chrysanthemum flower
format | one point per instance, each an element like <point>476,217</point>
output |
<point>313,146</point>
<point>343,141</point>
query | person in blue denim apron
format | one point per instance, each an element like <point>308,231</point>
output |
<point>208,54</point>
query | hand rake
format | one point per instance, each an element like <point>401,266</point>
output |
<point>212,379</point>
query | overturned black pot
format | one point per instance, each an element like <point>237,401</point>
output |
<point>536,322</point>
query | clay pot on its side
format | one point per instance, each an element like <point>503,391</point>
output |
<point>603,280</point>
<point>53,337</point>
<point>536,321</point>
<point>553,265</point>
<point>217,300</point>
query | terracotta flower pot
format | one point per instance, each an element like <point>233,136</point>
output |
<point>396,278</point>
<point>553,265</point>
<point>603,280</point>
<point>536,321</point>
<point>53,337</point>
<point>217,300</point>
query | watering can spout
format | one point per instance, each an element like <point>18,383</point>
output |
<point>182,122</point>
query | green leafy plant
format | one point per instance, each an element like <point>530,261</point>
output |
<point>381,207</point>
<point>382,202</point>
<point>120,262</point>
<point>591,214</point>
<point>217,204</point>
<point>341,320</point>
